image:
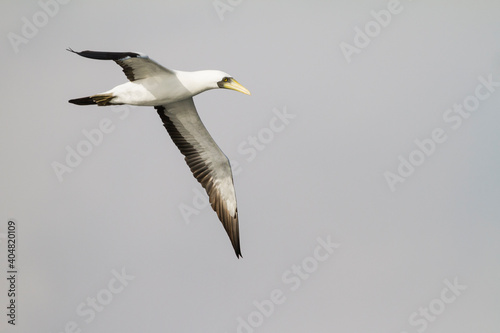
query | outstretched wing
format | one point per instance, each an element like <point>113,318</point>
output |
<point>205,159</point>
<point>136,66</point>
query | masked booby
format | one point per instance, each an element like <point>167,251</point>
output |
<point>171,93</point>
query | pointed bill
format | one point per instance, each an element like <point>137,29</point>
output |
<point>234,85</point>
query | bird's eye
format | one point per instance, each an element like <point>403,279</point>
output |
<point>226,79</point>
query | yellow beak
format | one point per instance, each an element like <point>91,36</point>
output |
<point>234,85</point>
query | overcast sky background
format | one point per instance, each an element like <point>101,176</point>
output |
<point>321,175</point>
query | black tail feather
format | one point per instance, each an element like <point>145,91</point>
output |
<point>83,101</point>
<point>99,99</point>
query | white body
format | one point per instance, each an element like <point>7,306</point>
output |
<point>165,88</point>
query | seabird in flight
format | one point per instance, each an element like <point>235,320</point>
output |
<point>171,93</point>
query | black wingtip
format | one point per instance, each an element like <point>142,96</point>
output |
<point>234,237</point>
<point>237,250</point>
<point>100,55</point>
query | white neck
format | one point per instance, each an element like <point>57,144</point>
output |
<point>199,81</point>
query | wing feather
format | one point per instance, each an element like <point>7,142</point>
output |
<point>207,162</point>
<point>136,66</point>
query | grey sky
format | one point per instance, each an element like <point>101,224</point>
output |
<point>334,113</point>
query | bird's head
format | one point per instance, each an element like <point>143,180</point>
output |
<point>228,82</point>
<point>199,81</point>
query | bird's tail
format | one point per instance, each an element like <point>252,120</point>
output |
<point>100,100</point>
